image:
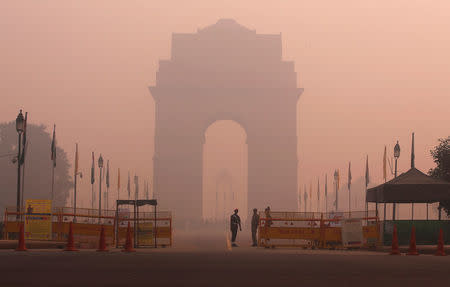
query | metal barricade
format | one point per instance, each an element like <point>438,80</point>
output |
<point>87,224</point>
<point>315,230</point>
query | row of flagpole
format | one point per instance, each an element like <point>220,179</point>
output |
<point>78,173</point>
<point>367,181</point>
<point>336,186</point>
<point>107,178</point>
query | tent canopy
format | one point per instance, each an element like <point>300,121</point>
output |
<point>412,186</point>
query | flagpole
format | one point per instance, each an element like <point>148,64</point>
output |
<point>310,197</point>
<point>128,186</point>
<point>349,199</point>
<point>336,186</point>
<point>92,187</point>
<point>318,196</point>
<point>106,200</point>
<point>326,193</point>
<point>75,185</point>
<point>23,185</point>
<point>53,181</point>
<point>412,166</point>
<point>118,183</point>
<point>92,196</point>
<point>53,163</point>
<point>306,200</point>
<point>305,197</point>
<point>349,185</point>
<point>107,186</point>
<point>366,185</point>
<point>100,167</point>
<point>367,206</point>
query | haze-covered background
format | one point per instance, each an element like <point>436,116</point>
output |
<point>373,72</point>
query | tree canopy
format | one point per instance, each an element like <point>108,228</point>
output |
<point>37,165</point>
<point>441,156</point>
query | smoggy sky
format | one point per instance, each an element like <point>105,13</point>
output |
<point>373,72</point>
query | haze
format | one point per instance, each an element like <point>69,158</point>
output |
<point>373,72</point>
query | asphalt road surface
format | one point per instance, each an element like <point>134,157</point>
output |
<point>208,262</point>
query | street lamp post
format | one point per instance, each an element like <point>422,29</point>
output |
<point>76,174</point>
<point>75,195</point>
<point>100,166</point>
<point>19,128</point>
<point>396,155</point>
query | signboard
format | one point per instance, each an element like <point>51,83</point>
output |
<point>352,233</point>
<point>337,216</point>
<point>290,233</point>
<point>145,233</point>
<point>124,215</point>
<point>38,219</point>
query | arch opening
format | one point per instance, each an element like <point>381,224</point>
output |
<point>225,171</point>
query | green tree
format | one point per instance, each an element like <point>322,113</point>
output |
<point>38,167</point>
<point>441,156</point>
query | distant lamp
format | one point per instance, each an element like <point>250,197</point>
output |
<point>20,122</point>
<point>396,155</point>
<point>100,161</point>
<point>397,151</point>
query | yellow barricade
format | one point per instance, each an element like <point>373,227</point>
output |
<point>315,230</point>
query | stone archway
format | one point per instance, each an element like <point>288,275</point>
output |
<point>225,72</point>
<point>224,172</point>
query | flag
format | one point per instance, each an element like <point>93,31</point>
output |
<point>326,185</point>
<point>24,140</point>
<point>53,156</point>
<point>349,183</point>
<point>118,179</point>
<point>318,190</point>
<point>128,185</point>
<point>299,196</point>
<point>76,159</point>
<point>336,178</point>
<point>310,190</point>
<point>367,171</point>
<point>107,174</point>
<point>92,170</point>
<point>136,185</point>
<point>384,165</point>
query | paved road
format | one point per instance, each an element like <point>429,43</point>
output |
<point>214,267</point>
<point>202,258</point>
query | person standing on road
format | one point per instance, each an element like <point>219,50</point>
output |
<point>255,223</point>
<point>235,222</point>
<point>268,222</point>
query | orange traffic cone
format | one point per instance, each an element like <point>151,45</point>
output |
<point>102,241</point>
<point>412,243</point>
<point>440,248</point>
<point>395,250</point>
<point>70,244</point>
<point>129,241</point>
<point>21,243</point>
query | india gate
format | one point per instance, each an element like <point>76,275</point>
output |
<point>225,72</point>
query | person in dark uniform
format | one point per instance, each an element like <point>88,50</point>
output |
<point>235,222</point>
<point>255,223</point>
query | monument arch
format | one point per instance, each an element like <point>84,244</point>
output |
<point>225,72</point>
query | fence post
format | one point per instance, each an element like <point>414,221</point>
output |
<point>5,224</point>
